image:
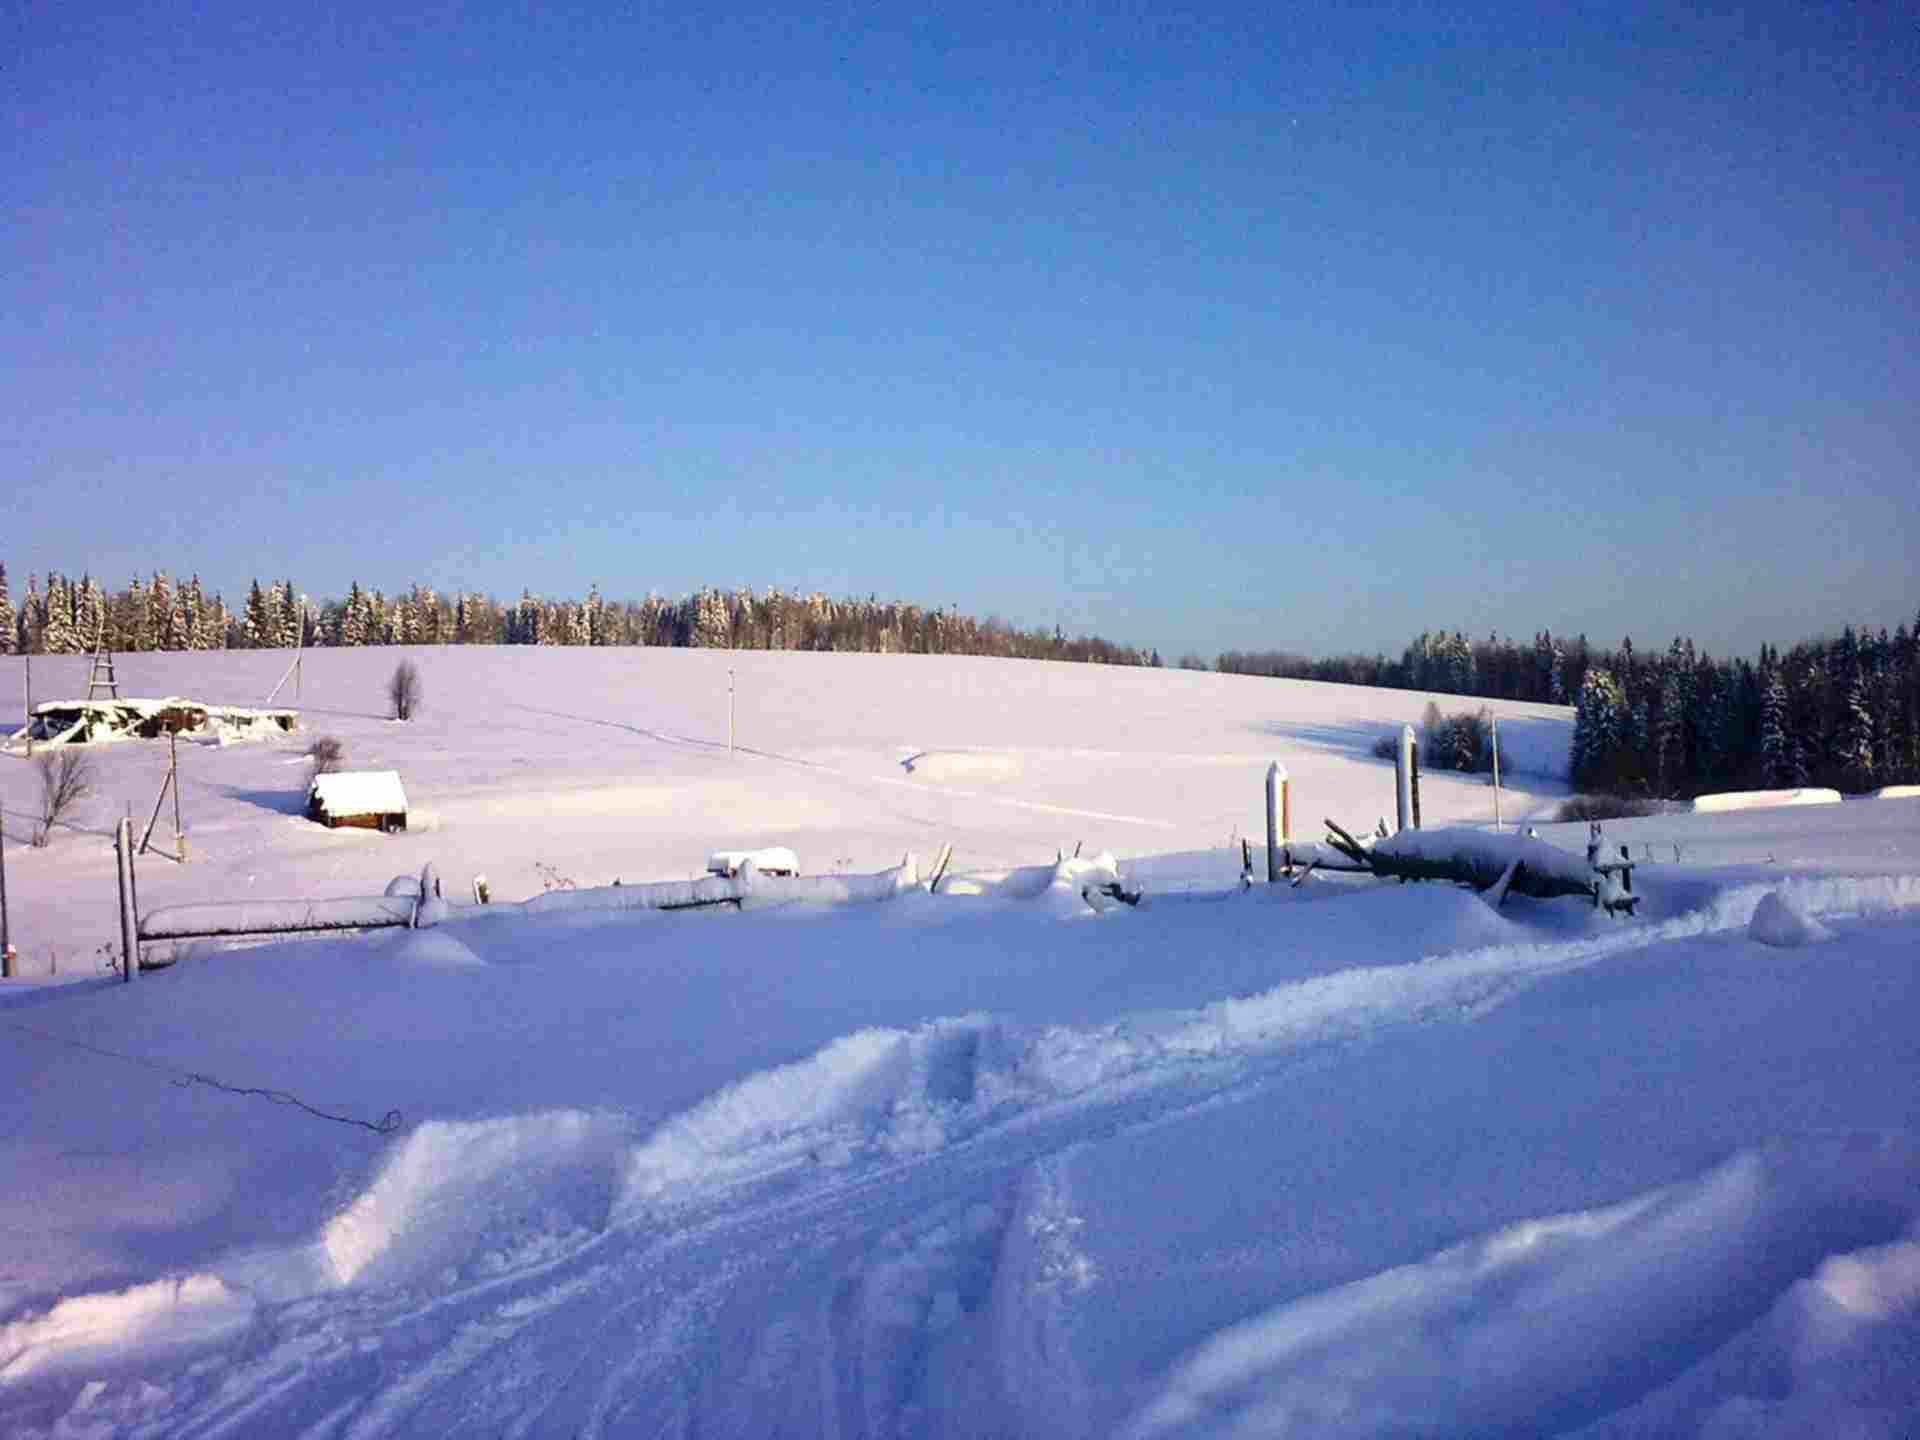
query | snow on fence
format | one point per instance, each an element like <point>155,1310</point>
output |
<point>1763,799</point>
<point>277,917</point>
<point>746,886</point>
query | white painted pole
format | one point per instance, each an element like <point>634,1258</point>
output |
<point>129,925</point>
<point>1276,793</point>
<point>1403,780</point>
<point>1496,772</point>
<point>729,710</point>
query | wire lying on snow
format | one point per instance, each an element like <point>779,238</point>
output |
<point>185,1079</point>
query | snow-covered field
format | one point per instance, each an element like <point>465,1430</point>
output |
<point>1347,1159</point>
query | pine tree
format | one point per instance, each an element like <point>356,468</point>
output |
<point>1599,724</point>
<point>60,637</point>
<point>353,617</point>
<point>712,629</point>
<point>1776,744</point>
<point>8,620</point>
<point>256,624</point>
<point>159,609</point>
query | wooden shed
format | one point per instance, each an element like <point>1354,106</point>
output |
<point>369,799</point>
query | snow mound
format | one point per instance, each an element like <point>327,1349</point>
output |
<point>1897,792</point>
<point>879,1090</point>
<point>478,1197</point>
<point>1780,921</point>
<point>1763,799</point>
<point>86,1328</point>
<point>1534,1327</point>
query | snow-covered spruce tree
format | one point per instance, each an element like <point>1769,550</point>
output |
<point>8,620</point>
<point>289,617</point>
<point>254,625</point>
<point>712,627</point>
<point>89,615</point>
<point>59,636</point>
<point>1599,724</point>
<point>159,609</point>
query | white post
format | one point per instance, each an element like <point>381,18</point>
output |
<point>1403,780</point>
<point>729,710</point>
<point>1279,822</point>
<point>1496,773</point>
<point>129,922</point>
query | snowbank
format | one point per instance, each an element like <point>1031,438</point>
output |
<point>1779,920</point>
<point>1763,799</point>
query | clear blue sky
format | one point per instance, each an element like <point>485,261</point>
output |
<point>1199,327</point>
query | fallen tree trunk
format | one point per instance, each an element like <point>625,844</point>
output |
<point>1517,864</point>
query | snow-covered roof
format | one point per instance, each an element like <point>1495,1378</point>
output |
<point>771,859</point>
<point>360,792</point>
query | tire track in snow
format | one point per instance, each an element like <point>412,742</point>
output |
<point>606,1331</point>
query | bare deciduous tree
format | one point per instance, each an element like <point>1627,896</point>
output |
<point>403,690</point>
<point>66,778</point>
<point>326,754</point>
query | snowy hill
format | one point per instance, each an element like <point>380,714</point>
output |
<point>1352,1158</point>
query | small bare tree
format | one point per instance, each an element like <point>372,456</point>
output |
<point>326,754</point>
<point>403,690</point>
<point>66,778</point>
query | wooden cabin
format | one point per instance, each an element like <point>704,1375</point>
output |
<point>367,799</point>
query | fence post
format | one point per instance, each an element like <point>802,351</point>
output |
<point>1403,779</point>
<point>1496,772</point>
<point>129,922</point>
<point>6,935</point>
<point>1279,820</point>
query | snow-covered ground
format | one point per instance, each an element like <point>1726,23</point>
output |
<point>1346,1159</point>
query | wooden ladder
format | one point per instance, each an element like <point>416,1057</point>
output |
<point>101,677</point>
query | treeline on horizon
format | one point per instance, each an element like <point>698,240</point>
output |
<point>1841,712</point>
<point>66,617</point>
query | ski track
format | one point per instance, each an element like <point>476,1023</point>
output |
<point>601,1334</point>
<point>708,747</point>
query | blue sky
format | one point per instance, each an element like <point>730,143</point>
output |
<point>1203,328</point>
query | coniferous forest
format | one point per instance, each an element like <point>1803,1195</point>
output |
<point>1842,711</point>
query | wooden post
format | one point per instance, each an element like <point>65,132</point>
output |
<point>173,775</point>
<point>1403,780</point>
<point>1415,768</point>
<point>29,682</point>
<point>6,936</point>
<point>129,925</point>
<point>1496,772</point>
<point>1276,806</point>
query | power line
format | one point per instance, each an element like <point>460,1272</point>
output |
<point>186,1079</point>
